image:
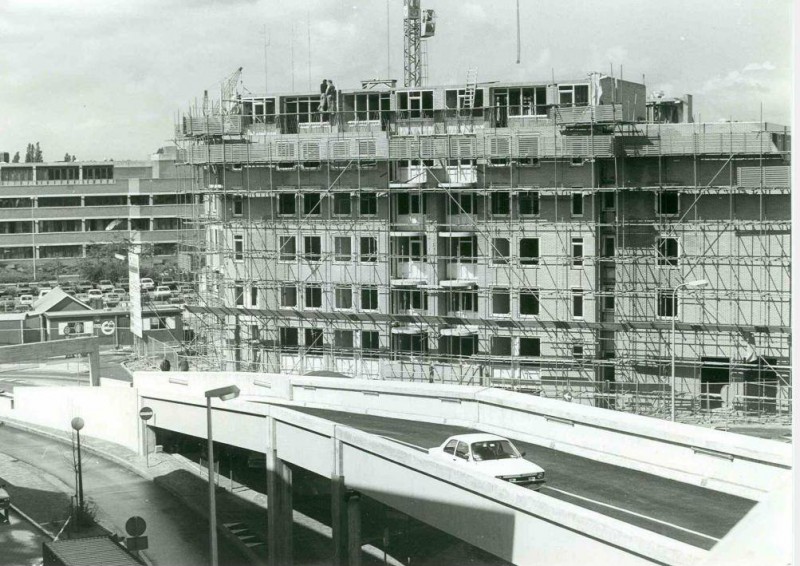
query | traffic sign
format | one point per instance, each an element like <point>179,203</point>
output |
<point>135,526</point>
<point>146,413</point>
<point>135,544</point>
<point>108,327</point>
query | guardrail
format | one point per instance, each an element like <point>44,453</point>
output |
<point>730,463</point>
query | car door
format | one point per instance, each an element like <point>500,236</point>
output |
<point>450,449</point>
<point>462,452</point>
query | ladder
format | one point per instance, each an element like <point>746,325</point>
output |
<point>469,92</point>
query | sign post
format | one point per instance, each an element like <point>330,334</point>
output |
<point>135,527</point>
<point>134,287</point>
<point>146,413</point>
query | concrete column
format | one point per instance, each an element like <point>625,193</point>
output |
<point>353,528</point>
<point>345,516</point>
<point>279,503</point>
<point>94,365</point>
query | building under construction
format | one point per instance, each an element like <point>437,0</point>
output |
<point>573,238</point>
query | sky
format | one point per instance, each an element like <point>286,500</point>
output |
<point>105,79</point>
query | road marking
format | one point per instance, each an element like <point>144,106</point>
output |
<point>420,448</point>
<point>631,513</point>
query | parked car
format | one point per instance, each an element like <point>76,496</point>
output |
<point>119,291</point>
<point>84,297</point>
<point>492,455</point>
<point>186,289</point>
<point>162,293</point>
<point>147,284</point>
<point>173,285</point>
<point>95,294</point>
<point>111,299</point>
<point>83,286</point>
<point>25,300</point>
<point>105,286</point>
<point>24,290</point>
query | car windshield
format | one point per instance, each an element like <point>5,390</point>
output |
<point>493,450</point>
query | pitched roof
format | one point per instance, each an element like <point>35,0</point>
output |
<point>57,298</point>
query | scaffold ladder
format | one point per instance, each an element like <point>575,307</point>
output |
<point>469,92</point>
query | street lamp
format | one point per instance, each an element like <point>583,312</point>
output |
<point>77,424</point>
<point>695,284</point>
<point>223,394</point>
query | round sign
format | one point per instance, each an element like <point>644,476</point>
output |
<point>108,327</point>
<point>135,526</point>
<point>77,423</point>
<point>146,413</point>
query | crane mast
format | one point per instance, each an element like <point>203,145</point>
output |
<point>418,25</point>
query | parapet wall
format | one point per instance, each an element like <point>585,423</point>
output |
<point>726,462</point>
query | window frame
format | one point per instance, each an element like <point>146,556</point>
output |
<point>534,200</point>
<point>577,244</point>
<point>337,290</point>
<point>371,289</point>
<point>535,294</point>
<point>663,259</point>
<point>494,291</point>
<point>310,290</point>
<point>577,206</point>
<point>282,241</point>
<point>577,303</point>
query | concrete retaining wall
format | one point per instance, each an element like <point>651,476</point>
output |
<point>109,413</point>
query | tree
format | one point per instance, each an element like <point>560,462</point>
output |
<point>29,153</point>
<point>100,262</point>
<point>16,158</point>
<point>38,158</point>
<point>67,158</point>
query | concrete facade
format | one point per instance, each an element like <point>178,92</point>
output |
<point>53,211</point>
<point>536,242</point>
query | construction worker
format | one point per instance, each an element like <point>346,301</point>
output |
<point>323,91</point>
<point>330,95</point>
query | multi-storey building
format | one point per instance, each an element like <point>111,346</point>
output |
<point>538,231</point>
<point>53,211</point>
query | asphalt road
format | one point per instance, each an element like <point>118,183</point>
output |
<point>177,535</point>
<point>61,371</point>
<point>683,512</point>
<point>20,543</point>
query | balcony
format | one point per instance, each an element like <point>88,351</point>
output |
<point>461,274</point>
<point>410,177</point>
<point>460,176</point>
<point>412,272</point>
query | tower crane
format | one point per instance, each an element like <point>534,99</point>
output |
<point>418,25</point>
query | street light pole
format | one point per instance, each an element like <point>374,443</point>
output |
<point>698,283</point>
<point>77,424</point>
<point>224,394</point>
<point>212,503</point>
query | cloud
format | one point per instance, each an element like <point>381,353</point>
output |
<point>753,67</point>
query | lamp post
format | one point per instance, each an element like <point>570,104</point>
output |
<point>77,424</point>
<point>224,394</point>
<point>698,283</point>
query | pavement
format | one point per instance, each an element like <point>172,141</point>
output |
<point>175,504</point>
<point>177,535</point>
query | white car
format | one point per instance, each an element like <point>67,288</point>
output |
<point>492,455</point>
<point>162,293</point>
<point>25,300</point>
<point>105,286</point>
<point>95,294</point>
<point>147,284</point>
